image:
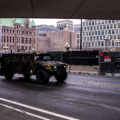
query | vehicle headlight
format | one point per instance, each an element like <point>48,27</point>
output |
<point>66,65</point>
<point>47,66</point>
<point>55,67</point>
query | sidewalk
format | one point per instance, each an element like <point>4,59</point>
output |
<point>89,70</point>
<point>84,69</point>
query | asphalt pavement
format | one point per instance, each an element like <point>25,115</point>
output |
<point>81,97</point>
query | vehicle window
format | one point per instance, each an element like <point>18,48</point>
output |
<point>46,57</point>
<point>37,58</point>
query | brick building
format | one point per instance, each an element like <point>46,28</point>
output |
<point>58,39</point>
<point>17,34</point>
<point>21,34</point>
<point>42,44</point>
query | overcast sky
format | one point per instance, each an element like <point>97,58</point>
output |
<point>53,21</point>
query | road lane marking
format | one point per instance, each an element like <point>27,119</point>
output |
<point>24,112</point>
<point>38,109</point>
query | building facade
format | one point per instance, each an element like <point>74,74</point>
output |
<point>22,34</point>
<point>77,30</point>
<point>0,37</point>
<point>42,44</point>
<point>41,30</point>
<point>66,25</point>
<point>101,35</point>
<point>17,34</point>
<point>58,39</point>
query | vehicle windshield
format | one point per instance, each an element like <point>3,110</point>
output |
<point>46,58</point>
<point>43,57</point>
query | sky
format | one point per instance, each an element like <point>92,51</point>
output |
<point>53,21</point>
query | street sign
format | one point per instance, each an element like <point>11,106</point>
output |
<point>107,58</point>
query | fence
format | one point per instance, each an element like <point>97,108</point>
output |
<point>77,57</point>
<point>109,62</point>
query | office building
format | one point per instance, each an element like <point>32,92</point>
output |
<point>101,35</point>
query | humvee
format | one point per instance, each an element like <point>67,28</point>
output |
<point>41,65</point>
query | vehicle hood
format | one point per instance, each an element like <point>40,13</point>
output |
<point>51,62</point>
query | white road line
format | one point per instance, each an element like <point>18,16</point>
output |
<point>24,112</point>
<point>38,109</point>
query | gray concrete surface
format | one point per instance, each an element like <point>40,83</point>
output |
<point>83,69</point>
<point>82,97</point>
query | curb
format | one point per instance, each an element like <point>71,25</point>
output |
<point>83,72</point>
<point>93,73</point>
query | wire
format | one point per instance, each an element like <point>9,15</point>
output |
<point>81,4</point>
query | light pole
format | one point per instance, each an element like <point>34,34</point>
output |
<point>67,47</point>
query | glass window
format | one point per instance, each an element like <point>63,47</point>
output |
<point>78,35</point>
<point>107,26</point>
<point>113,32</point>
<point>116,31</point>
<point>109,31</point>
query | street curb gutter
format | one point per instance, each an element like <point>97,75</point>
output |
<point>92,73</point>
<point>84,72</point>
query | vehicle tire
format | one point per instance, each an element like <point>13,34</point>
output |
<point>61,76</point>
<point>42,77</point>
<point>9,75</point>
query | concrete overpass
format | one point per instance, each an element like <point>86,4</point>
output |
<point>76,9</point>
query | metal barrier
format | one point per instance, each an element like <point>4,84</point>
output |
<point>109,62</point>
<point>77,57</point>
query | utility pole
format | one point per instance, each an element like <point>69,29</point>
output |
<point>81,35</point>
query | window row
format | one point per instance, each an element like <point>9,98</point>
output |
<point>98,22</point>
<point>12,47</point>
<point>101,27</point>
<point>102,32</point>
<point>17,31</point>
<point>7,39</point>
<point>97,38</point>
<point>26,40</point>
<point>100,44</point>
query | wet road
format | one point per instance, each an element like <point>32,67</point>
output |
<point>81,97</point>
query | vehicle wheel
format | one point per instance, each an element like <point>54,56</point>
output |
<point>42,77</point>
<point>9,75</point>
<point>61,76</point>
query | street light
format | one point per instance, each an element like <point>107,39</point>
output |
<point>67,47</point>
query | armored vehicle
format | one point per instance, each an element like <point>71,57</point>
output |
<point>16,63</point>
<point>41,65</point>
<point>46,67</point>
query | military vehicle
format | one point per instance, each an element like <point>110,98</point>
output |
<point>46,67</point>
<point>41,65</point>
